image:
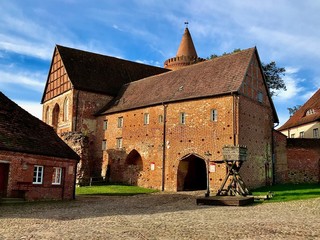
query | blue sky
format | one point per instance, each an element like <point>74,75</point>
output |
<point>149,31</point>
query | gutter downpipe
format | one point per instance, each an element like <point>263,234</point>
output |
<point>273,159</point>
<point>75,180</point>
<point>235,129</point>
<point>164,144</point>
<point>77,106</point>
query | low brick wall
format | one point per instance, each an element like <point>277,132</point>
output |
<point>303,156</point>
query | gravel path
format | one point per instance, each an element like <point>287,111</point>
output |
<point>158,216</point>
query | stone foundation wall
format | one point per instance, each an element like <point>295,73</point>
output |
<point>80,144</point>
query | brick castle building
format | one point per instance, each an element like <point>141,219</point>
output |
<point>162,127</point>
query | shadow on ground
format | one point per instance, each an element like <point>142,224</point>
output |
<point>99,206</point>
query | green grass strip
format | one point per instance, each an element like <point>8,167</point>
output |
<point>113,190</point>
<point>289,192</point>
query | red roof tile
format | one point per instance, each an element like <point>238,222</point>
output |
<point>301,116</point>
<point>22,132</point>
<point>218,76</point>
<point>99,73</point>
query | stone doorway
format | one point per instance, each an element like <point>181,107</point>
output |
<point>134,167</point>
<point>192,173</point>
<point>4,174</point>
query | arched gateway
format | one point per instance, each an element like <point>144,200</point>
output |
<point>134,167</point>
<point>192,173</point>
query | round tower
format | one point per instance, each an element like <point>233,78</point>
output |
<point>186,54</point>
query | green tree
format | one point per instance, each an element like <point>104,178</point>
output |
<point>273,76</point>
<point>272,73</point>
<point>293,109</point>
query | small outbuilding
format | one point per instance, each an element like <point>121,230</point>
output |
<point>35,164</point>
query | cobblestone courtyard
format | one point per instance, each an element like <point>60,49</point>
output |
<point>158,216</point>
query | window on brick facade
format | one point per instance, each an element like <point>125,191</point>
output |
<point>105,124</point>
<point>316,133</point>
<point>183,118</point>
<point>214,115</point>
<point>160,119</point>
<point>120,122</point>
<point>104,145</point>
<point>301,134</point>
<point>37,174</point>
<point>56,176</point>
<point>119,142</point>
<point>66,110</point>
<point>260,97</point>
<point>146,118</point>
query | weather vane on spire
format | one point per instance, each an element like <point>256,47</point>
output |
<point>186,23</point>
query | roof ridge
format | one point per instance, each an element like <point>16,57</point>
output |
<point>209,78</point>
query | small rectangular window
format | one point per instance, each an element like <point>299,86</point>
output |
<point>104,145</point>
<point>260,97</point>
<point>120,122</point>
<point>160,119</point>
<point>146,119</point>
<point>37,174</point>
<point>214,115</point>
<point>292,135</point>
<point>183,118</point>
<point>56,176</point>
<point>105,124</point>
<point>119,142</point>
<point>316,133</point>
<point>301,135</point>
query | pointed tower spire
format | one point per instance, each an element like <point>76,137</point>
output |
<point>186,47</point>
<point>186,54</point>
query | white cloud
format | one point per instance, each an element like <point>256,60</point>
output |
<point>316,82</point>
<point>34,81</point>
<point>20,46</point>
<point>150,62</point>
<point>293,84</point>
<point>307,95</point>
<point>22,34</point>
<point>32,107</point>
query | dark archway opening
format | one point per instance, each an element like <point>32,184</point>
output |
<point>134,167</point>
<point>192,174</point>
<point>4,173</point>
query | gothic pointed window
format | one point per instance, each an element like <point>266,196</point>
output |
<point>66,110</point>
<point>55,116</point>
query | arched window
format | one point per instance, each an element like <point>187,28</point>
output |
<point>47,116</point>
<point>66,110</point>
<point>55,116</point>
<point>310,111</point>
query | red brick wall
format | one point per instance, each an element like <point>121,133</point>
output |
<point>82,107</point>
<point>280,157</point>
<point>63,125</point>
<point>255,132</point>
<point>21,176</point>
<point>199,135</point>
<point>255,127</point>
<point>303,160</point>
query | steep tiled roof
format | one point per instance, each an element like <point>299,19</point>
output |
<point>302,116</point>
<point>99,73</point>
<point>22,132</point>
<point>218,76</point>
